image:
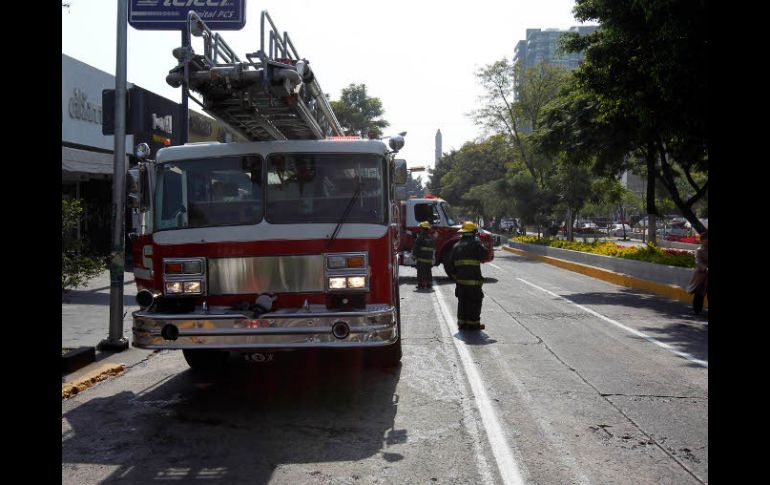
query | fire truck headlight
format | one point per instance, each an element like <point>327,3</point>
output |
<point>173,287</point>
<point>337,283</point>
<point>357,282</point>
<point>192,286</point>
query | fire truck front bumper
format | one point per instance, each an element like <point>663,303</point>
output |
<point>316,327</point>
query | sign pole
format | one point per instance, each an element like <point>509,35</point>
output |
<point>116,341</point>
<point>185,91</point>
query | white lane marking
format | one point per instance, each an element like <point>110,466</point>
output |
<point>664,345</point>
<point>495,266</point>
<point>556,440</point>
<point>466,403</point>
<point>506,464</point>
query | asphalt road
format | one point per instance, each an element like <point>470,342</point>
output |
<point>574,380</point>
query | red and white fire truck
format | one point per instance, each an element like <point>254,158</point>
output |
<point>288,241</point>
<point>444,230</point>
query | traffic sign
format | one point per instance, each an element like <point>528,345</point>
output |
<point>172,14</point>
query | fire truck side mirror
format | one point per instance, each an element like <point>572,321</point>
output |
<point>399,175</point>
<point>136,187</point>
<point>133,184</point>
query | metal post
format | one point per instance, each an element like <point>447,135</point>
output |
<point>116,341</point>
<point>184,138</point>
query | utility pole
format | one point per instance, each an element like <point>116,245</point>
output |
<point>116,341</point>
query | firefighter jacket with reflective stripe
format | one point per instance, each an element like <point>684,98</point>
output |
<point>466,262</point>
<point>424,248</point>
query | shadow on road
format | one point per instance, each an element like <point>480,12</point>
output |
<point>240,426</point>
<point>87,297</point>
<point>687,332</point>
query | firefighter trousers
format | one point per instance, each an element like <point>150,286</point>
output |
<point>469,312</point>
<point>424,275</point>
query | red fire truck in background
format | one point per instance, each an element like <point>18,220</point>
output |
<point>289,241</point>
<point>445,227</point>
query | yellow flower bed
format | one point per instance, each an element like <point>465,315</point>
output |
<point>648,253</point>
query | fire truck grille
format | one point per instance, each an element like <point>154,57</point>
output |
<point>266,274</point>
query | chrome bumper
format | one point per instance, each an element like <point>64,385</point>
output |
<point>374,326</point>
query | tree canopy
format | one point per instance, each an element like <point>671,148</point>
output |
<point>643,86</point>
<point>359,113</point>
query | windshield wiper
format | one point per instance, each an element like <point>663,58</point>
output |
<point>344,215</point>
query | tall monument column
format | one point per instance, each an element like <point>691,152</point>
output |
<point>438,147</point>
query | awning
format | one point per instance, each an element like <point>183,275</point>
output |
<point>74,160</point>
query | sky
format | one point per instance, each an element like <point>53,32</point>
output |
<point>419,57</point>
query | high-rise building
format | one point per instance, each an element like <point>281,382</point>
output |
<point>543,46</point>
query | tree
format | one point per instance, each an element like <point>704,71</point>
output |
<point>475,164</point>
<point>358,113</point>
<point>77,266</point>
<point>414,186</point>
<point>645,72</point>
<point>500,113</point>
<point>572,186</point>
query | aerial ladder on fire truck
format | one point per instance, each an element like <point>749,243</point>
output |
<point>272,95</point>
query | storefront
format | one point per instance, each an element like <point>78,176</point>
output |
<point>87,158</point>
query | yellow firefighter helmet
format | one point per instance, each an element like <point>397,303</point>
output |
<point>468,226</point>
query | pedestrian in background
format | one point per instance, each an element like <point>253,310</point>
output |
<point>465,265</point>
<point>424,250</point>
<point>699,284</point>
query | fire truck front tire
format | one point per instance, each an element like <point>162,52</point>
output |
<point>204,360</point>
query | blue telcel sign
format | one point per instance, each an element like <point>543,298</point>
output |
<point>172,14</point>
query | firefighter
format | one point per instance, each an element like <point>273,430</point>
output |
<point>424,248</point>
<point>465,261</point>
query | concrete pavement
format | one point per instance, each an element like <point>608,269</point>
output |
<point>85,322</point>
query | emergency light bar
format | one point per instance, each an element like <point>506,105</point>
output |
<point>343,138</point>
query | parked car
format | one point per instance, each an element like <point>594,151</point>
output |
<point>617,230</point>
<point>677,229</point>
<point>507,224</point>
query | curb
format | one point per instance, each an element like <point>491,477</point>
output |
<point>669,291</point>
<point>76,359</point>
<point>97,374</point>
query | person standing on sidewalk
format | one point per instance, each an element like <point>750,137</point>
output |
<point>699,284</point>
<point>465,261</point>
<point>424,249</point>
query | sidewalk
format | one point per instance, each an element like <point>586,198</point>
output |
<point>85,322</point>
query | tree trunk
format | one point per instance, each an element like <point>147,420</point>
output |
<point>667,178</point>
<point>651,210</point>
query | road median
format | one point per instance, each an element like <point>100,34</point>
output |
<point>661,274</point>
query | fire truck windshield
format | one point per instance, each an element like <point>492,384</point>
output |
<point>318,187</point>
<point>301,188</point>
<point>209,192</point>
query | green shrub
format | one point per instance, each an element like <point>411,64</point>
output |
<point>648,253</point>
<point>77,265</point>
